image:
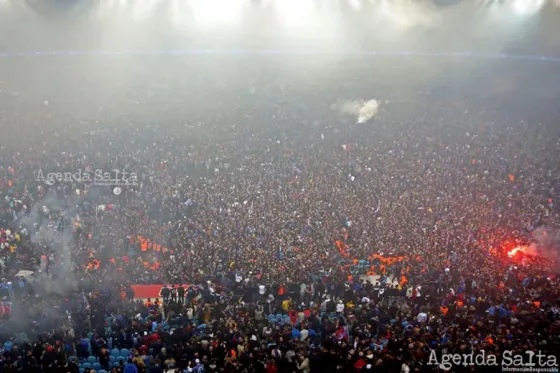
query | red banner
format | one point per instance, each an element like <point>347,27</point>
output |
<point>150,291</point>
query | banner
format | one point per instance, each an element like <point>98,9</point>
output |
<point>150,291</point>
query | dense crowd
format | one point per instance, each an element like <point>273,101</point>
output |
<point>288,243</point>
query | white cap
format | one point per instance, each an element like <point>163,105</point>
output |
<point>197,361</point>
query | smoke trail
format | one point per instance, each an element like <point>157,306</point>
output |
<point>362,110</point>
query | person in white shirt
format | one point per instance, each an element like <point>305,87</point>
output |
<point>262,289</point>
<point>267,331</point>
<point>422,317</point>
<point>304,364</point>
<point>290,354</point>
<point>405,368</point>
<point>301,316</point>
<point>340,307</point>
<point>409,292</point>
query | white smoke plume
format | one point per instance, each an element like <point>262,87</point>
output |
<point>60,242</point>
<point>362,110</point>
<point>547,245</point>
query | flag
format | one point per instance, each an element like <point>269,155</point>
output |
<point>341,334</point>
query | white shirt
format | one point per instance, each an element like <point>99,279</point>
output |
<point>238,278</point>
<point>340,307</point>
<point>261,289</point>
<point>422,317</point>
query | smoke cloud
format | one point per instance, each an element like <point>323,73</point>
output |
<point>547,245</point>
<point>362,110</point>
<point>43,232</point>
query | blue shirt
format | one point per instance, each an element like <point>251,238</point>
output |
<point>8,346</point>
<point>295,333</point>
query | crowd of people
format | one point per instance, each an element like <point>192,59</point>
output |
<point>287,242</point>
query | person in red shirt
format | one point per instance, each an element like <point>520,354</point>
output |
<point>271,367</point>
<point>146,339</point>
<point>143,350</point>
<point>154,337</point>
